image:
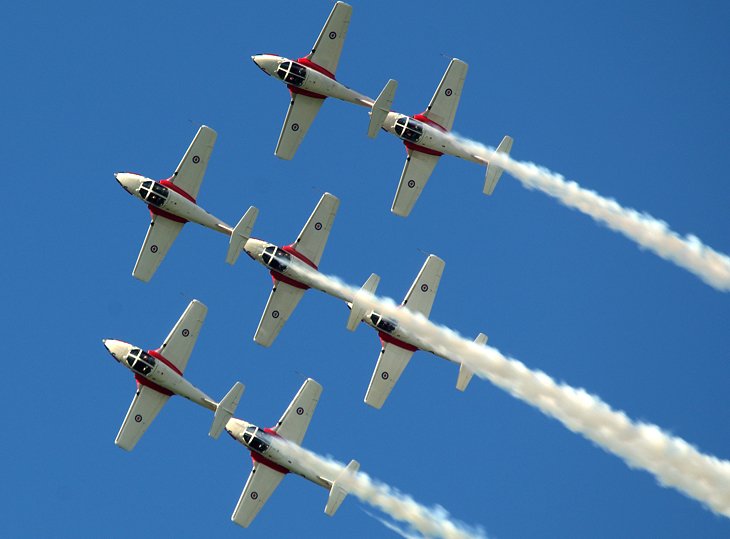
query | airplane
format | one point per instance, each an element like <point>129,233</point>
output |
<point>274,455</point>
<point>293,267</point>
<point>311,79</point>
<point>159,375</point>
<point>398,345</point>
<point>426,137</point>
<point>172,203</point>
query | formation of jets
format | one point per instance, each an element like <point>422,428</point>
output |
<point>294,268</point>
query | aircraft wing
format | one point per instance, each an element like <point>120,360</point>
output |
<point>301,114</point>
<point>295,421</point>
<point>283,300</point>
<point>442,108</point>
<point>260,485</point>
<point>180,342</point>
<point>419,298</point>
<point>145,406</point>
<point>316,231</point>
<point>393,359</point>
<point>189,173</point>
<point>327,48</point>
<point>160,236</point>
<point>416,172</point>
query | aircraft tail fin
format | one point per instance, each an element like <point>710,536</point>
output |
<point>381,107</point>
<point>357,309</point>
<point>225,409</point>
<point>465,373</point>
<point>338,491</point>
<point>493,171</point>
<point>240,234</point>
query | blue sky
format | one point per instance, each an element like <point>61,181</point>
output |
<point>629,99</point>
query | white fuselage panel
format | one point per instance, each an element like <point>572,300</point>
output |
<point>278,451</point>
<point>175,203</point>
<point>432,138</point>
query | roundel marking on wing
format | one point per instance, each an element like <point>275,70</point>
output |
<point>295,127</point>
<point>185,332</point>
<point>333,35</point>
<point>411,184</point>
<point>196,159</point>
<point>300,410</point>
<point>154,248</point>
<point>138,418</point>
<point>275,314</point>
<point>448,92</point>
<point>385,375</point>
<point>424,288</point>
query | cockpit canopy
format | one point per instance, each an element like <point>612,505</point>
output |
<point>383,324</point>
<point>140,361</point>
<point>277,259</point>
<point>408,129</point>
<point>154,193</point>
<point>292,73</point>
<point>254,437</point>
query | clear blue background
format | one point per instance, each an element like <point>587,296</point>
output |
<point>628,98</point>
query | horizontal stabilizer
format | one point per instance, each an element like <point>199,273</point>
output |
<point>382,107</point>
<point>225,409</point>
<point>338,492</point>
<point>358,309</point>
<point>240,234</point>
<point>465,373</point>
<point>493,171</point>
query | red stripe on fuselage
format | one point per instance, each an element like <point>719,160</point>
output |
<point>295,90</point>
<point>276,276</point>
<point>155,354</point>
<point>424,119</point>
<point>154,210</point>
<point>292,251</point>
<point>387,338</point>
<point>141,380</point>
<point>258,457</point>
<point>422,149</point>
<point>306,62</point>
<point>178,190</point>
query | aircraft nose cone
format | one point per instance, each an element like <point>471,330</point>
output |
<point>265,63</point>
<point>129,182</point>
<point>117,349</point>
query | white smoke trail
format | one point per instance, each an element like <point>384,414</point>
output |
<point>432,522</point>
<point>687,252</point>
<point>392,527</point>
<point>674,462</point>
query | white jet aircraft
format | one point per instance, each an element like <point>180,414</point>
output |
<point>398,345</point>
<point>159,375</point>
<point>311,79</point>
<point>426,137</point>
<point>274,456</point>
<point>172,203</point>
<point>293,267</point>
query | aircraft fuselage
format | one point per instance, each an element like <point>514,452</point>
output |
<point>154,370</point>
<point>421,134</point>
<point>390,331</point>
<point>269,449</point>
<point>164,198</point>
<point>303,76</point>
<point>289,266</point>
